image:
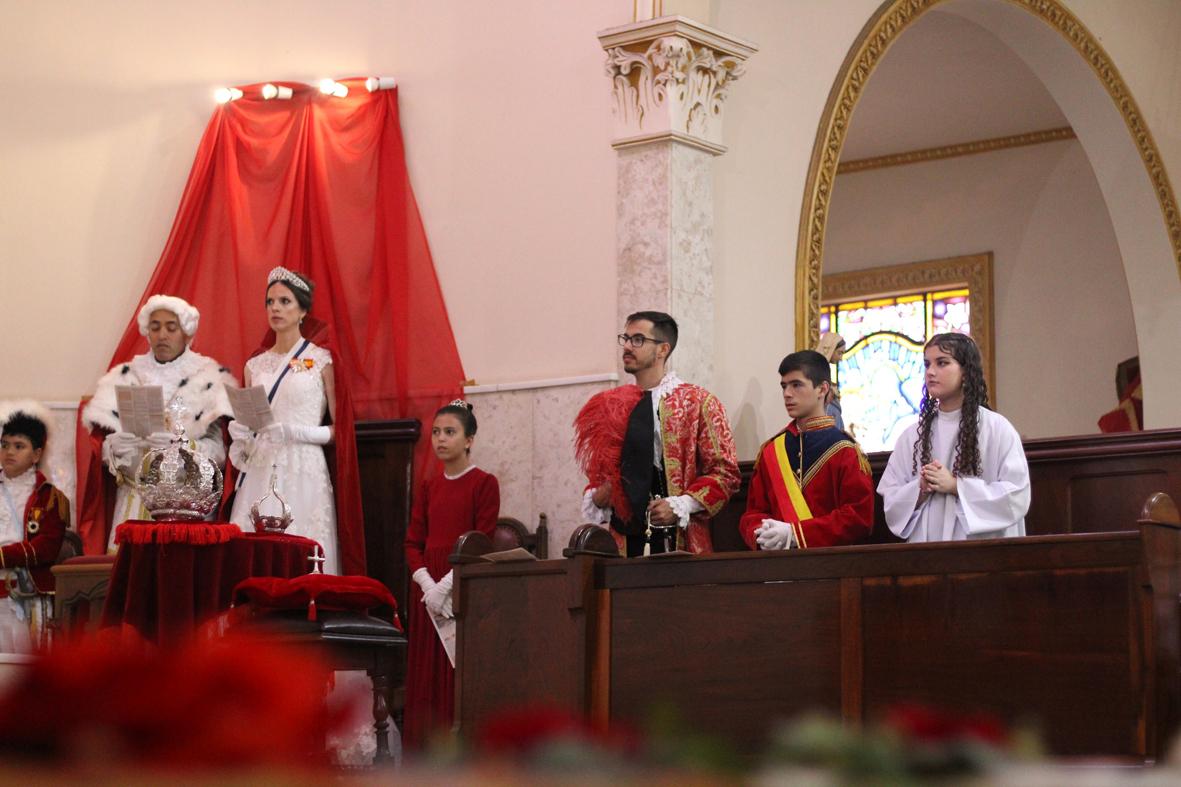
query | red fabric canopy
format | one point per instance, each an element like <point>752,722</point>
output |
<point>318,184</point>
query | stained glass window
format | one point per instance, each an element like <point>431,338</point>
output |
<point>880,377</point>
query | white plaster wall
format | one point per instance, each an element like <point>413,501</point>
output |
<point>1062,314</point>
<point>525,438</point>
<point>506,115</point>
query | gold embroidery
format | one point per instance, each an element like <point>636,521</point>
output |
<point>834,449</point>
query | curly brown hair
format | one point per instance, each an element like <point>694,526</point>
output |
<point>967,450</point>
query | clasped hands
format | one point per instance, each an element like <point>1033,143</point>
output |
<point>435,595</point>
<point>660,513</point>
<point>934,477</point>
<point>774,534</point>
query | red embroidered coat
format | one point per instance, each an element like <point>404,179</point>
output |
<point>837,486</point>
<point>47,514</point>
<point>698,450</point>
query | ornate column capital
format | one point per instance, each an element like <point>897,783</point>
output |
<point>670,78</point>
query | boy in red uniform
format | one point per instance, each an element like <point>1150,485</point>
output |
<point>812,485</point>
<point>33,518</point>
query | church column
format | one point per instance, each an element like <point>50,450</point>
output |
<point>670,80</point>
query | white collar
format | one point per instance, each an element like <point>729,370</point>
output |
<point>667,385</point>
<point>27,479</point>
<point>460,474</point>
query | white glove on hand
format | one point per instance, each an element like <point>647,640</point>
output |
<point>438,598</point>
<point>158,440</point>
<point>241,445</point>
<point>423,578</point>
<point>773,534</point>
<point>125,449</point>
<point>240,431</point>
<point>285,434</point>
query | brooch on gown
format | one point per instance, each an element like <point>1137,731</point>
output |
<point>301,364</point>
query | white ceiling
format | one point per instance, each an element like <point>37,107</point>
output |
<point>944,81</point>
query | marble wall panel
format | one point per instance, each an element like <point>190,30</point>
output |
<point>557,481</point>
<point>691,298</point>
<point>643,216</point>
<point>526,440</point>
<point>504,447</point>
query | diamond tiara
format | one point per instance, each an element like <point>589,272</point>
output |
<point>282,274</point>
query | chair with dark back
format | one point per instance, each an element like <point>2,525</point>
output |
<point>511,533</point>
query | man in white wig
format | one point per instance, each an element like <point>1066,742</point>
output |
<point>169,324</point>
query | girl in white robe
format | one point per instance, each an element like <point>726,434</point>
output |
<point>960,471</point>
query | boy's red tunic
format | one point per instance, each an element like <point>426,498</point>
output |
<point>46,516</point>
<point>836,483</point>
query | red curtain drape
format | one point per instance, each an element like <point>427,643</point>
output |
<point>318,184</point>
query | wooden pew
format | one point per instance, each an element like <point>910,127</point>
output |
<point>1077,631</point>
<point>1081,484</point>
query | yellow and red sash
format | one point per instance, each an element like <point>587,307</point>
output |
<point>785,488</point>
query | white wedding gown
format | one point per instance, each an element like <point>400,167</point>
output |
<point>300,468</point>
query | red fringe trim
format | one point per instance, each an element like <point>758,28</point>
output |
<point>198,533</point>
<point>599,429</point>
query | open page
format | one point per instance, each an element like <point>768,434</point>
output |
<point>445,628</point>
<point>250,407</point>
<point>516,555</point>
<point>141,408</point>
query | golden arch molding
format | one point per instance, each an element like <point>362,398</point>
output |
<point>891,19</point>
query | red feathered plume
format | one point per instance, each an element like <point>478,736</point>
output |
<point>599,428</point>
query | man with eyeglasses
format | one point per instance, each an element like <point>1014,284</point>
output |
<point>658,455</point>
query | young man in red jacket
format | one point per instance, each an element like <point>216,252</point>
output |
<point>812,485</point>
<point>34,515</point>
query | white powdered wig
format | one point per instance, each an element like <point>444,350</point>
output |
<point>32,409</point>
<point>185,312</point>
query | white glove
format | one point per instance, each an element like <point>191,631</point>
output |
<point>438,598</point>
<point>423,578</point>
<point>286,434</point>
<point>158,440</point>
<point>240,431</point>
<point>125,449</point>
<point>773,534</point>
<point>241,445</point>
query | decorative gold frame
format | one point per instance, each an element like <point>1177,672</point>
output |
<point>973,271</point>
<point>955,151</point>
<point>891,19</point>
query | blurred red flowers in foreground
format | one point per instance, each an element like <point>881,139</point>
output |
<point>231,703</point>
<point>932,725</point>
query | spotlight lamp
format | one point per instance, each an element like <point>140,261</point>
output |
<point>333,88</point>
<point>380,83</point>
<point>224,95</point>
<point>270,91</point>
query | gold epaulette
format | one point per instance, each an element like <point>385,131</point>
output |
<point>863,461</point>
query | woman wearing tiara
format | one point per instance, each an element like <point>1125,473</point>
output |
<point>298,378</point>
<point>463,498</point>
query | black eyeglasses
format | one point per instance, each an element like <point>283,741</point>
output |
<point>636,340</point>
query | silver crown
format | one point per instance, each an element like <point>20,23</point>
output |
<point>178,482</point>
<point>282,274</point>
<point>266,523</point>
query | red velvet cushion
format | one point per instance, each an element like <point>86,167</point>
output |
<point>351,593</point>
<point>197,533</point>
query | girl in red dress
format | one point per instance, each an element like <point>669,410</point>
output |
<point>463,498</point>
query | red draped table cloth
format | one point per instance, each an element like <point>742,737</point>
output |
<point>164,591</point>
